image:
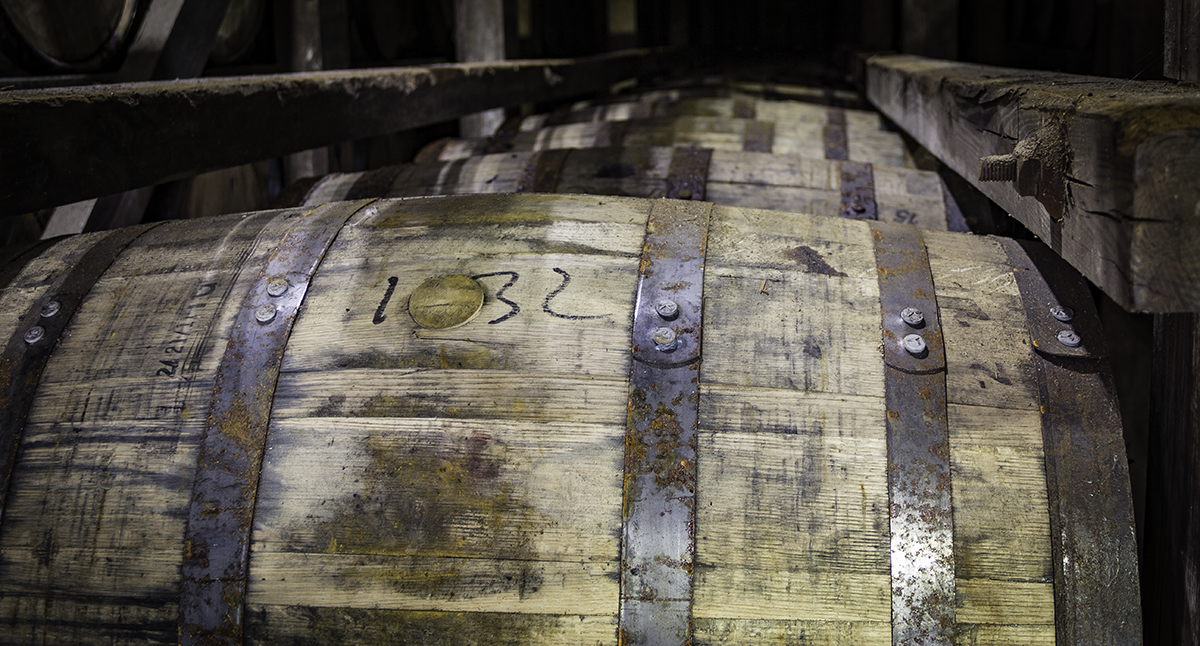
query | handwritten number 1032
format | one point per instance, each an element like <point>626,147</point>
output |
<point>513,307</point>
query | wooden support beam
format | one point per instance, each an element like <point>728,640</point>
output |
<point>930,28</point>
<point>1105,172</point>
<point>64,145</point>
<point>1181,40</point>
<point>479,38</point>
<point>622,24</point>
<point>1170,567</point>
<point>187,48</point>
<point>173,41</point>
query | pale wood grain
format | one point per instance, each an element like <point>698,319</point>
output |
<point>485,394</point>
<point>63,620</point>
<point>795,503</point>
<point>829,344</point>
<point>1001,517</point>
<point>988,354</point>
<point>272,624</point>
<point>789,631</point>
<point>770,594</point>
<point>1003,602</point>
<point>1004,634</point>
<point>811,330</point>
<point>551,491</point>
<point>435,583</point>
<point>775,198</point>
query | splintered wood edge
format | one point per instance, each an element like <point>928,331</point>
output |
<point>1115,229</point>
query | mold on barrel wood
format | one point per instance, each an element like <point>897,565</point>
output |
<point>719,133</point>
<point>490,451</point>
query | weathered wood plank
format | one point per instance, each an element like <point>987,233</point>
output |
<point>66,145</point>
<point>97,510</point>
<point>1171,553</point>
<point>1001,520</point>
<point>555,486</point>
<point>1109,151</point>
<point>479,37</point>
<point>475,469</point>
<point>576,587</point>
<point>772,442</point>
<point>1181,40</point>
<point>762,266</point>
<point>712,630</point>
<point>987,347</point>
<point>271,624</point>
<point>82,621</point>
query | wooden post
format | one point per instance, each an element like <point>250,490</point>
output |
<point>1181,40</point>
<point>1170,569</point>
<point>173,41</point>
<point>622,24</point>
<point>306,56</point>
<point>877,29</point>
<point>142,56</point>
<point>678,22</point>
<point>930,28</point>
<point>479,37</point>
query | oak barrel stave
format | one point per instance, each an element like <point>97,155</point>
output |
<point>441,486</point>
<point>65,36</point>
<point>734,178</point>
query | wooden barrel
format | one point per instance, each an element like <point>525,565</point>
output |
<point>238,31</point>
<point>802,139</point>
<point>731,178</point>
<point>493,419</point>
<point>737,106</point>
<point>59,36</point>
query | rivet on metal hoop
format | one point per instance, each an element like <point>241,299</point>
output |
<point>665,339</point>
<point>277,287</point>
<point>1064,314</point>
<point>915,344</point>
<point>1069,338</point>
<point>265,313</point>
<point>35,334</point>
<point>913,316</point>
<point>667,309</point>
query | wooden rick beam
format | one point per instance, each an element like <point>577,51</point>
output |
<point>64,145</point>
<point>1103,170</point>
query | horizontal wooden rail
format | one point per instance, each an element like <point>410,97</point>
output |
<point>1105,171</point>
<point>64,145</point>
